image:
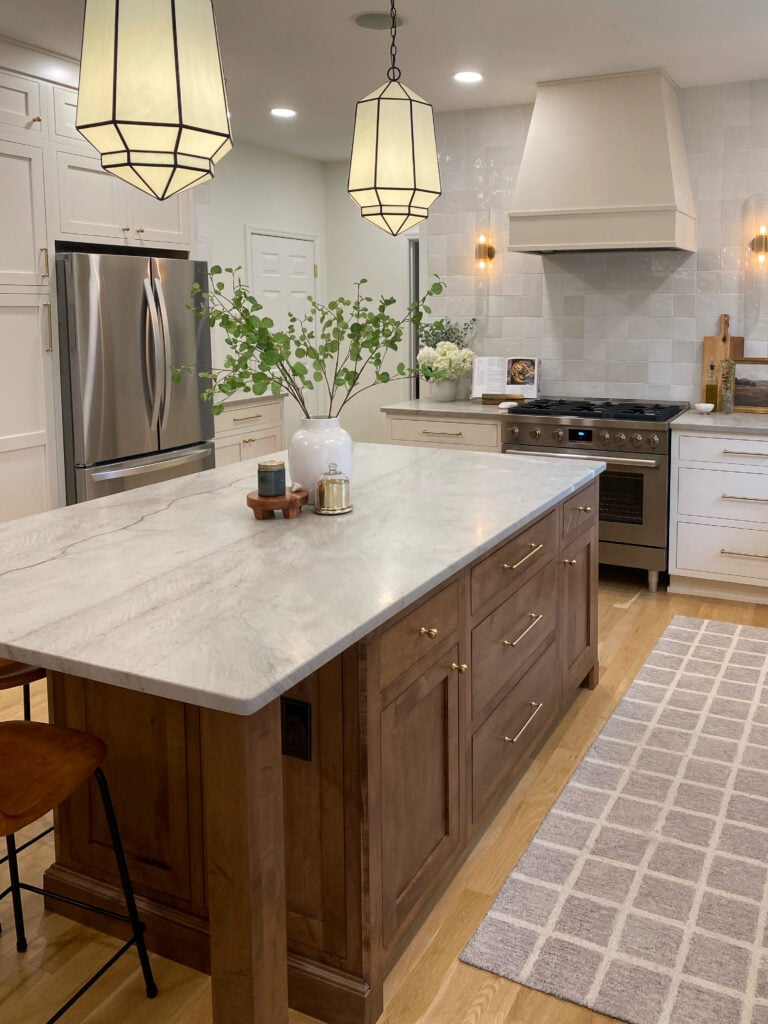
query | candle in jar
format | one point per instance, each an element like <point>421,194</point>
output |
<point>271,478</point>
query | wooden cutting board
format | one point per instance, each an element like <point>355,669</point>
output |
<point>717,347</point>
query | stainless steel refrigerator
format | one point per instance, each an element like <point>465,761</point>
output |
<point>124,323</point>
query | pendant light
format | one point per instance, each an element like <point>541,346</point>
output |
<point>393,173</point>
<point>152,98</point>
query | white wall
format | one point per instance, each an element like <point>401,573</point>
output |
<point>355,249</point>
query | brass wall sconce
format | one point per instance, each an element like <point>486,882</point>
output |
<point>484,252</point>
<point>759,244</point>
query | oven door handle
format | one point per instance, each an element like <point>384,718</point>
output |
<point>609,460</point>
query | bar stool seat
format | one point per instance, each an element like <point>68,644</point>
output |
<point>40,766</point>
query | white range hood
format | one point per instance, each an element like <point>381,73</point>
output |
<point>604,167</point>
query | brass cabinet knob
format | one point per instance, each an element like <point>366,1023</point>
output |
<point>430,631</point>
<point>585,508</point>
<point>139,231</point>
<point>569,561</point>
<point>37,119</point>
<point>249,440</point>
<point>459,667</point>
<point>127,227</point>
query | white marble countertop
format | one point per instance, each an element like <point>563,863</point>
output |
<point>426,407</point>
<point>176,590</point>
<point>720,422</point>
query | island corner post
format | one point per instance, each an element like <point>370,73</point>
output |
<point>244,850</point>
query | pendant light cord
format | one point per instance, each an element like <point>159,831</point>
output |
<point>393,74</point>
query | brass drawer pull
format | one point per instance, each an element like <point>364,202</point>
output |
<point>584,508</point>
<point>536,620</point>
<point>741,497</point>
<point>536,709</point>
<point>569,561</point>
<point>443,433</point>
<point>733,451</point>
<point>742,554</point>
<point>516,565</point>
<point>47,271</point>
<point>249,440</point>
<point>460,668</point>
<point>49,346</point>
<point>429,631</point>
<point>242,419</point>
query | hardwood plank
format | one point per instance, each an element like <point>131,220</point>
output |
<point>427,985</point>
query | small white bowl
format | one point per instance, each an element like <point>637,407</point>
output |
<point>704,407</point>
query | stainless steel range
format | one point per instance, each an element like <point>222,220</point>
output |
<point>632,438</point>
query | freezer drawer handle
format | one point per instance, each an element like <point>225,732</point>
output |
<point>741,497</point>
<point>742,554</point>
<point>757,455</point>
<point>536,620</point>
<point>536,709</point>
<point>535,548</point>
<point>153,467</point>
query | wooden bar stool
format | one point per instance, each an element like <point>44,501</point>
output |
<point>16,673</point>
<point>41,766</point>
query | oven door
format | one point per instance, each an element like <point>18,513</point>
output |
<point>633,494</point>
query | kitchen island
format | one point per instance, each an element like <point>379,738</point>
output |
<point>426,644</point>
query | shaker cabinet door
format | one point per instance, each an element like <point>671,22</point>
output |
<point>578,622</point>
<point>23,257</point>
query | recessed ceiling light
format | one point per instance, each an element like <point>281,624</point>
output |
<point>376,20</point>
<point>468,76</point>
<point>285,112</point>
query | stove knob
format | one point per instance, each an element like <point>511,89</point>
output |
<point>620,439</point>
<point>655,440</point>
<point>604,437</point>
<point>557,435</point>
<point>534,433</point>
<point>637,440</point>
<point>514,433</point>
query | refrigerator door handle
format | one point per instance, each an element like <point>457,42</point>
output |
<point>153,355</point>
<point>195,455</point>
<point>166,333</point>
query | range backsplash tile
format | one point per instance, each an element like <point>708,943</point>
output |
<point>616,324</point>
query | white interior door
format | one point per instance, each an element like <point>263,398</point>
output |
<point>282,275</point>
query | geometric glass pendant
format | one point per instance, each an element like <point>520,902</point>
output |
<point>152,99</point>
<point>394,175</point>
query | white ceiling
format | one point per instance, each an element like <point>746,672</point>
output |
<point>308,54</point>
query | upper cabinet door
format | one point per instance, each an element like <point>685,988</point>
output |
<point>156,222</point>
<point>19,102</point>
<point>91,201</point>
<point>23,256</point>
<point>65,114</point>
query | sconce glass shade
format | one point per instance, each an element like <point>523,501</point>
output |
<point>152,100</point>
<point>393,173</point>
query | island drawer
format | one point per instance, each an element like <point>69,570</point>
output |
<point>418,633</point>
<point>580,510</point>
<point>503,571</point>
<point>504,642</point>
<point>448,431</point>
<point>503,740</point>
<point>744,451</point>
<point>249,416</point>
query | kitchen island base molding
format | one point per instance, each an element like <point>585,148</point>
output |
<point>419,731</point>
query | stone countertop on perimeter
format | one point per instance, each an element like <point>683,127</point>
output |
<point>176,590</point>
<point>426,407</point>
<point>720,422</point>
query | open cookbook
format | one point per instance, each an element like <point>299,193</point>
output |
<point>505,375</point>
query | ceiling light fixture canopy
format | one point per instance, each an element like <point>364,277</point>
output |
<point>393,174</point>
<point>152,99</point>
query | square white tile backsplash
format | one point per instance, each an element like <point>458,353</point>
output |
<point>626,324</point>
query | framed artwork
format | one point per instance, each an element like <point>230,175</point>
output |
<point>750,393</point>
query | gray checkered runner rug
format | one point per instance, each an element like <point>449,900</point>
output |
<point>643,894</point>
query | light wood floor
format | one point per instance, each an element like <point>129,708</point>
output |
<point>428,985</point>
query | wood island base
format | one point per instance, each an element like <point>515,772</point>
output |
<point>417,733</point>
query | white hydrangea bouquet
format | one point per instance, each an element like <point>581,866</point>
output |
<point>445,361</point>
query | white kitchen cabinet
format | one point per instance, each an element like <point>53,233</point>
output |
<point>719,514</point>
<point>95,204</point>
<point>23,239</point>
<point>448,431</point>
<point>20,102</point>
<point>65,115</point>
<point>249,429</point>
<point>28,461</point>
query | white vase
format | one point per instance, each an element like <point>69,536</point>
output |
<point>444,390</point>
<point>314,446</point>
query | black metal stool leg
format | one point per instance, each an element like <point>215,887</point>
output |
<point>18,914</point>
<point>122,867</point>
<point>27,703</point>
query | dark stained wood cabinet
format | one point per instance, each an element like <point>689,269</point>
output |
<point>418,732</point>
